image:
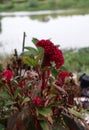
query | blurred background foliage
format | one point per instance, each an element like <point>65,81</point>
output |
<point>29,5</point>
<point>77,60</point>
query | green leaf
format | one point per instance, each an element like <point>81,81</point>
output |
<point>85,111</point>
<point>4,95</point>
<point>39,58</point>
<point>1,68</point>
<point>26,100</point>
<point>34,40</point>
<point>44,111</point>
<point>32,51</point>
<point>2,127</point>
<point>40,49</point>
<point>44,125</point>
<point>25,53</point>
<point>75,113</point>
<point>54,72</point>
<point>9,103</point>
<point>16,93</point>
<point>63,68</point>
<point>30,61</point>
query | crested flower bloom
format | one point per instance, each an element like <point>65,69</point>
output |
<point>51,53</point>
<point>37,101</point>
<point>7,75</point>
<point>62,77</point>
<point>22,84</point>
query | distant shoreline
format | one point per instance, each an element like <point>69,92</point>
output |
<point>43,12</point>
<point>40,12</point>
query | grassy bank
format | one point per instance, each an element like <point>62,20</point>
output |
<point>35,5</point>
<point>77,60</point>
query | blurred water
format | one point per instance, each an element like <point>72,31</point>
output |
<point>66,31</point>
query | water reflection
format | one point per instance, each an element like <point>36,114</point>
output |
<point>67,31</point>
<point>43,18</point>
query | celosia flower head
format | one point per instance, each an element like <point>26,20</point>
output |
<point>62,77</point>
<point>22,84</point>
<point>7,75</point>
<point>37,101</point>
<point>63,74</point>
<point>51,53</point>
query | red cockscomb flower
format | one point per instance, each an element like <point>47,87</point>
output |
<point>7,75</point>
<point>58,83</point>
<point>62,76</point>
<point>51,53</point>
<point>37,101</point>
<point>22,84</point>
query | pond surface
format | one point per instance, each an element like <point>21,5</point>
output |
<point>66,31</point>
